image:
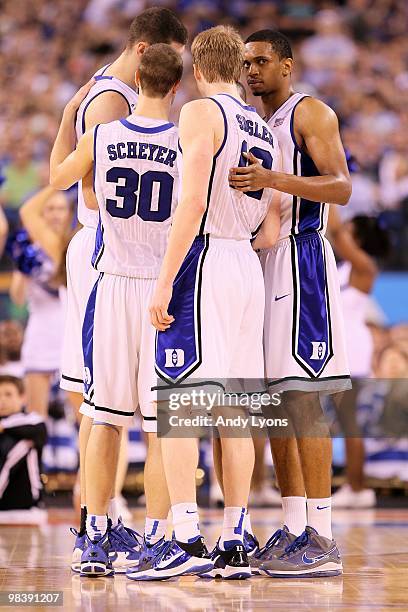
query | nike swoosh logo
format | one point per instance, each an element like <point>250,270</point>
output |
<point>322,507</point>
<point>163,564</point>
<point>190,511</point>
<point>281,297</point>
<point>309,561</point>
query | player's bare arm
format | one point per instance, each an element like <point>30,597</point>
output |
<point>317,133</point>
<point>364,268</point>
<point>104,108</point>
<point>67,164</point>
<point>31,215</point>
<point>269,232</point>
<point>68,167</point>
<point>201,131</point>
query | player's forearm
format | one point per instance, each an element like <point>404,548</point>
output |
<point>326,188</point>
<point>185,227</point>
<point>64,145</point>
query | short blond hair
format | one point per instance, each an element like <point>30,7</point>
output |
<point>219,54</point>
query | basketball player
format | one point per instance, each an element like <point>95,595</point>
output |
<point>111,97</point>
<point>209,298</point>
<point>134,162</point>
<point>304,340</point>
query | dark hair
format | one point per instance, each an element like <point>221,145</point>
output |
<point>6,379</point>
<point>371,236</point>
<point>280,43</point>
<point>157,25</point>
<point>161,68</point>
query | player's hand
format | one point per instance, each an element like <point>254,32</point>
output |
<point>249,178</point>
<point>75,102</point>
<point>159,316</point>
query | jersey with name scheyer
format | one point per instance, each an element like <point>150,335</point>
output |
<point>136,185</point>
<point>231,213</point>
<point>103,84</point>
<point>298,215</point>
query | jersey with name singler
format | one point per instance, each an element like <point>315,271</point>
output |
<point>298,215</point>
<point>136,185</point>
<point>103,84</point>
<point>231,213</point>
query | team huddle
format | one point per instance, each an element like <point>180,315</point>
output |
<point>202,254</point>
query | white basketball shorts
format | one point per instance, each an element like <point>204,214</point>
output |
<point>118,343</point>
<point>218,305</point>
<point>304,337</point>
<point>81,277</point>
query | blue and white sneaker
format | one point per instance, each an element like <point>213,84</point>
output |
<point>125,547</point>
<point>229,564</point>
<point>251,544</point>
<point>174,559</point>
<point>95,560</point>
<point>147,554</point>
<point>309,556</point>
<point>79,547</point>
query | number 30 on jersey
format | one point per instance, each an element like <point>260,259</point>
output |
<point>134,194</point>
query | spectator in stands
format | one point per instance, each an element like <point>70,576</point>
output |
<point>41,284</point>
<point>22,437</point>
<point>21,175</point>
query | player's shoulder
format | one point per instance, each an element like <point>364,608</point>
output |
<point>310,109</point>
<point>202,108</point>
<point>107,127</point>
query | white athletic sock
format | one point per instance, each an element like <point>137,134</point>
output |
<point>247,523</point>
<point>319,516</point>
<point>186,522</point>
<point>113,511</point>
<point>96,526</point>
<point>233,527</point>
<point>155,530</point>
<point>294,514</point>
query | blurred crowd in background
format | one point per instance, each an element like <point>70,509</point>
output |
<point>353,54</point>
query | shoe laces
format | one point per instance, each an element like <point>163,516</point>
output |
<point>126,536</point>
<point>166,551</point>
<point>300,542</point>
<point>250,538</point>
<point>153,551</point>
<point>273,540</point>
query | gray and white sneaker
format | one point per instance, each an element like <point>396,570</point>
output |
<point>309,556</point>
<point>275,546</point>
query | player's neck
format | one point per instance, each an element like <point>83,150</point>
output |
<point>274,100</point>
<point>152,108</point>
<point>124,69</point>
<point>213,89</point>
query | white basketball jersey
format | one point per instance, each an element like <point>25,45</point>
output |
<point>231,213</point>
<point>136,185</point>
<point>298,215</point>
<point>103,83</point>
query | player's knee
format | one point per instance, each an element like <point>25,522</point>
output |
<point>116,428</point>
